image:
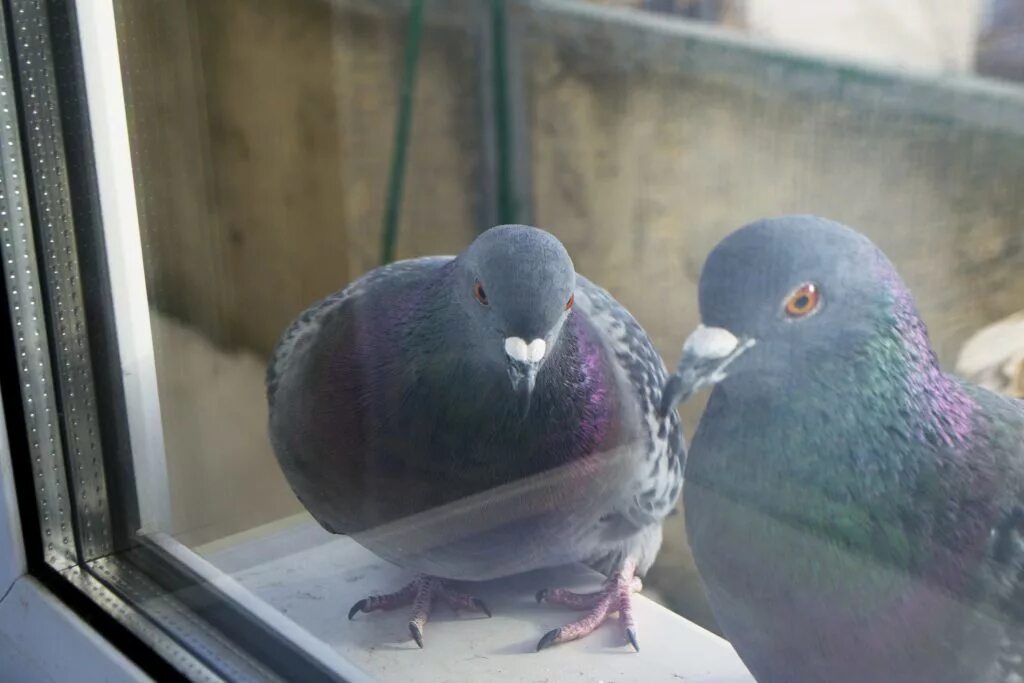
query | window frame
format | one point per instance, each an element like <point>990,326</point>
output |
<point>67,184</point>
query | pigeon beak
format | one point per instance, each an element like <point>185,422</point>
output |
<point>524,361</point>
<point>706,355</point>
<point>524,379</point>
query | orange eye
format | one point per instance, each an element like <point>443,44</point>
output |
<point>571,301</point>
<point>803,301</point>
<point>480,294</point>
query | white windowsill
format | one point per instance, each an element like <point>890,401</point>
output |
<point>42,641</point>
<point>313,578</point>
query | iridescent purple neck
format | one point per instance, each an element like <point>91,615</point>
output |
<point>946,406</point>
<point>591,383</point>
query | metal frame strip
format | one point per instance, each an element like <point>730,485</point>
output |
<point>62,285</point>
<point>28,318</point>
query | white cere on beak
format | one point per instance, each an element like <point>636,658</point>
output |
<point>517,349</point>
<point>710,342</point>
<point>536,350</point>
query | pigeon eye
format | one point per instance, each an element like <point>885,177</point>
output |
<point>571,301</point>
<point>803,301</point>
<point>480,294</point>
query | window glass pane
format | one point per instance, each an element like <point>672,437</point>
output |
<point>282,149</point>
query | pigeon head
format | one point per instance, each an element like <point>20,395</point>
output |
<point>516,285</point>
<point>783,296</point>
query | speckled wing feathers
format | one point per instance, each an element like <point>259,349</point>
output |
<point>658,491</point>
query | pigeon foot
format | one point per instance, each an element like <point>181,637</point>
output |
<point>615,596</point>
<point>421,594</point>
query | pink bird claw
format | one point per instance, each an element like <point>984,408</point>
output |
<point>615,596</point>
<point>421,594</point>
<point>388,601</point>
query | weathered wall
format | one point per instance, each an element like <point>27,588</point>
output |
<point>262,135</point>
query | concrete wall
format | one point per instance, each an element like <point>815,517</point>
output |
<point>262,134</point>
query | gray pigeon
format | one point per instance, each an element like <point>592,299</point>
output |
<point>855,513</point>
<point>478,416</point>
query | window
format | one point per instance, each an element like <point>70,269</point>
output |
<point>182,179</point>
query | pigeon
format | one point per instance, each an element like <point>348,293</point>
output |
<point>855,513</point>
<point>473,417</point>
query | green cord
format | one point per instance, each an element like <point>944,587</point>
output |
<point>507,207</point>
<point>403,123</point>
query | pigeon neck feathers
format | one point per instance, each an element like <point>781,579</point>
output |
<point>939,402</point>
